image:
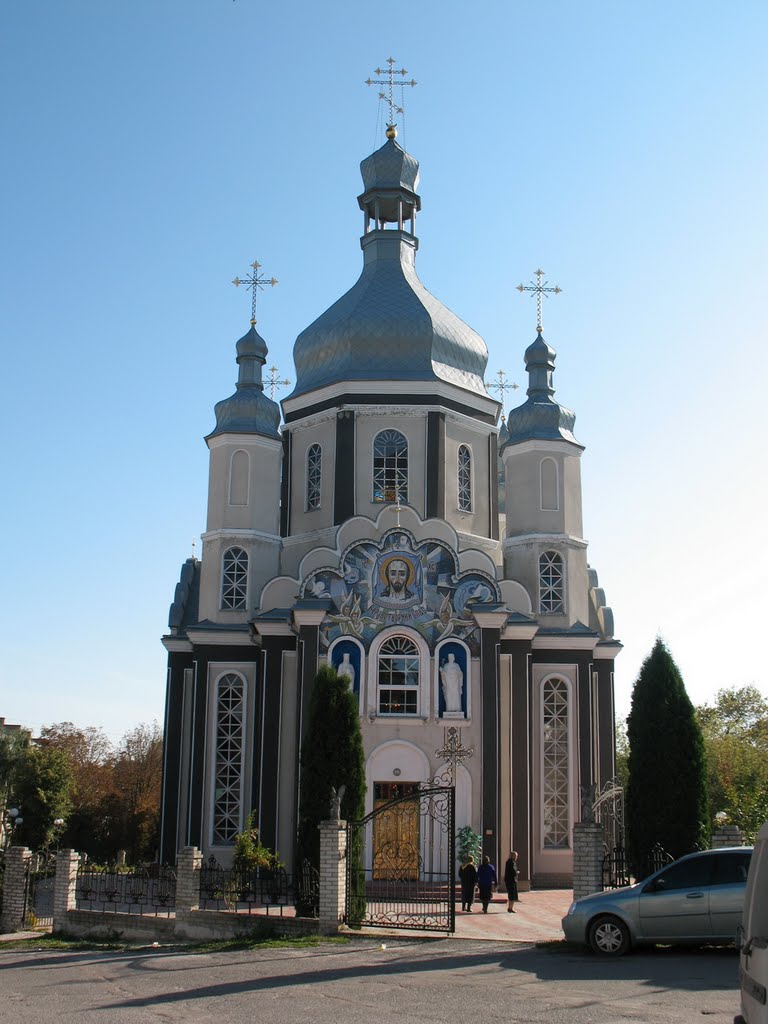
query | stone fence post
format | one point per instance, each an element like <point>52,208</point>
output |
<point>727,835</point>
<point>17,859</point>
<point>587,858</point>
<point>188,866</point>
<point>333,874</point>
<point>64,886</point>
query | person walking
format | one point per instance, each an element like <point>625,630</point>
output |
<point>511,871</point>
<point>486,879</point>
<point>468,878</point>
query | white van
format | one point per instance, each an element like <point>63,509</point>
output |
<point>753,938</point>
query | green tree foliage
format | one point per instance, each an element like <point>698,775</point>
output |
<point>42,791</point>
<point>667,782</point>
<point>13,743</point>
<point>331,757</point>
<point>735,732</point>
<point>115,793</point>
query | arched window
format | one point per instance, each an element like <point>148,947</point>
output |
<point>465,479</point>
<point>390,466</point>
<point>228,770</point>
<point>234,578</point>
<point>239,471</point>
<point>549,496</point>
<point>555,768</point>
<point>398,677</point>
<point>551,583</point>
<point>314,475</point>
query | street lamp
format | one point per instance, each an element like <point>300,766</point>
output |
<point>11,822</point>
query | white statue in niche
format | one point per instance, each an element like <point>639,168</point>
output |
<point>452,679</point>
<point>347,669</point>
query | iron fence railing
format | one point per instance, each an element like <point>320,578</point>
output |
<point>252,890</point>
<point>146,889</point>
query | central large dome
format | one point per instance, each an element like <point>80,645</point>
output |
<point>388,327</point>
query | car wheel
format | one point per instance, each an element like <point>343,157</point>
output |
<point>609,936</point>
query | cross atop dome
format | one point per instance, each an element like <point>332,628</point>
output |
<point>388,96</point>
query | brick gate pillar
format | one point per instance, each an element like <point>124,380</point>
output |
<point>587,858</point>
<point>333,874</point>
<point>64,886</point>
<point>188,866</point>
<point>17,860</point>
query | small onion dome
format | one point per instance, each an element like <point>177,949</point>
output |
<point>540,418</point>
<point>390,167</point>
<point>248,410</point>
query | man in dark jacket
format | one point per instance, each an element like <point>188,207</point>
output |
<point>486,879</point>
<point>468,877</point>
<point>511,872</point>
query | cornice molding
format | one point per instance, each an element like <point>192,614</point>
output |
<point>544,538</point>
<point>606,651</point>
<point>239,534</point>
<point>220,638</point>
<point>565,643</point>
<point>523,447</point>
<point>243,440</point>
<point>176,645</point>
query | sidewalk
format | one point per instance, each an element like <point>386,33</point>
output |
<point>536,919</point>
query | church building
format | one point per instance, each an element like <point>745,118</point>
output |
<point>390,524</point>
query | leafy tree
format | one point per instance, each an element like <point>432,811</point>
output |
<point>735,732</point>
<point>42,791</point>
<point>89,754</point>
<point>331,757</point>
<point>13,743</point>
<point>667,787</point>
<point>136,773</point>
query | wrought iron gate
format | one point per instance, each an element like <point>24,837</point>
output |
<point>401,861</point>
<point>608,811</point>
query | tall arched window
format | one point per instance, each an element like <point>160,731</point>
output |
<point>234,578</point>
<point>239,472</point>
<point>555,768</point>
<point>390,466</point>
<point>228,770</point>
<point>549,495</point>
<point>465,479</point>
<point>551,583</point>
<point>314,475</point>
<point>398,677</point>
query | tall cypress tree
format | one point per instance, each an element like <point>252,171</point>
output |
<point>331,757</point>
<point>667,788</point>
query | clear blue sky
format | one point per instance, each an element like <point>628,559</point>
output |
<point>153,149</point>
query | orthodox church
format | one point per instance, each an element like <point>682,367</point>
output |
<point>390,524</point>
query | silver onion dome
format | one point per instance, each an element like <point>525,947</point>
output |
<point>388,326</point>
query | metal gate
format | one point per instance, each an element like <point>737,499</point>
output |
<point>608,811</point>
<point>401,860</point>
<point>38,893</point>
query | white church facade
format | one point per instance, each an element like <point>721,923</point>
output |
<point>387,524</point>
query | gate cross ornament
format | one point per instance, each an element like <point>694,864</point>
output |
<point>452,752</point>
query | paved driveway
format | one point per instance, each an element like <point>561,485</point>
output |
<point>409,981</point>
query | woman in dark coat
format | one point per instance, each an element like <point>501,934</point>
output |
<point>486,879</point>
<point>510,881</point>
<point>468,876</point>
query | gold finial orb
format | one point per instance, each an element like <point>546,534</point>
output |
<point>391,131</point>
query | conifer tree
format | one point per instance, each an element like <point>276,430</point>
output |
<point>331,757</point>
<point>667,787</point>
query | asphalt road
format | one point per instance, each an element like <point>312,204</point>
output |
<point>408,981</point>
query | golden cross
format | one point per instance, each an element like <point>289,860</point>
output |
<point>273,382</point>
<point>255,282</point>
<point>541,291</point>
<point>389,81</point>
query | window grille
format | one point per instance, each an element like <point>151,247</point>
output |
<point>234,578</point>
<point>465,479</point>
<point>314,476</point>
<point>555,772</point>
<point>398,677</point>
<point>228,777</point>
<point>390,467</point>
<point>551,583</point>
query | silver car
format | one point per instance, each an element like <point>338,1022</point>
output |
<point>695,900</point>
